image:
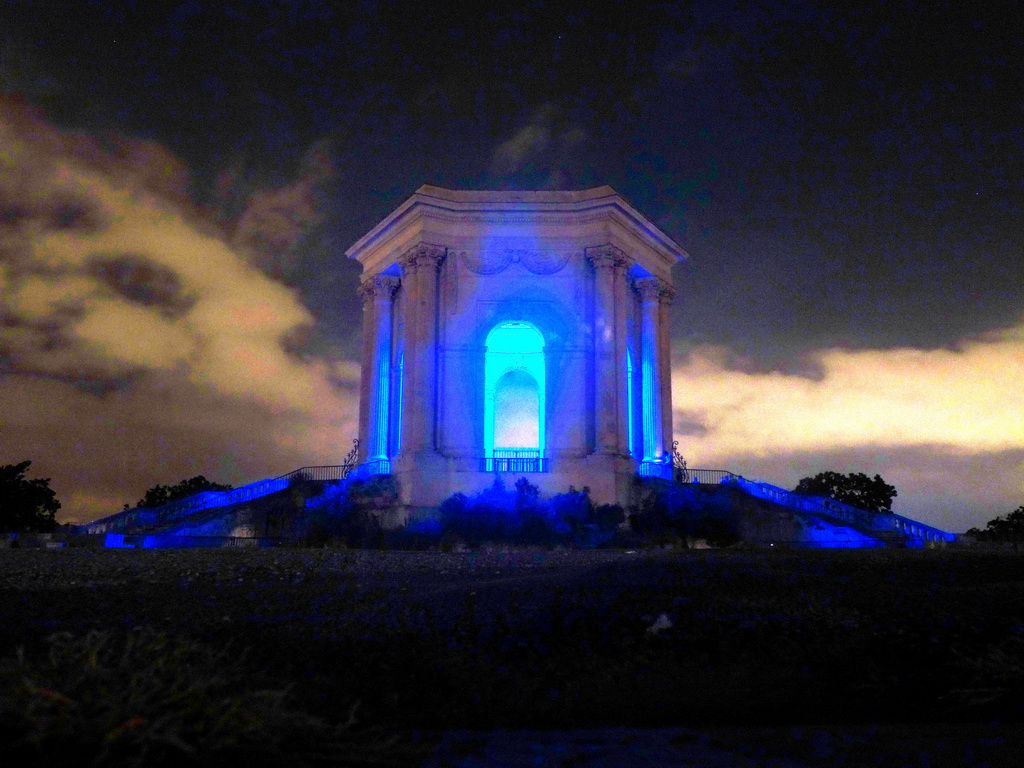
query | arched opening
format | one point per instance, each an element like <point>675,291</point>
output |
<point>514,399</point>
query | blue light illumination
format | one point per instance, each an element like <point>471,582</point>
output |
<point>516,410</point>
<point>396,406</point>
<point>652,451</point>
<point>378,449</point>
<point>514,391</point>
<point>822,534</point>
<point>631,404</point>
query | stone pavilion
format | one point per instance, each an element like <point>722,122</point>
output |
<point>518,333</point>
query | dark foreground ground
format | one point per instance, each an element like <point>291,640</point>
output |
<point>720,657</point>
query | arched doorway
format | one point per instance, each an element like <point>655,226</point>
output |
<point>514,399</point>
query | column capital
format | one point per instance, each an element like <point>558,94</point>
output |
<point>422,255</point>
<point>607,257</point>
<point>378,287</point>
<point>653,289</point>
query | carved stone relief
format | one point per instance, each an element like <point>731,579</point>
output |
<point>378,286</point>
<point>422,255</point>
<point>491,262</point>
<point>607,257</point>
<point>654,289</point>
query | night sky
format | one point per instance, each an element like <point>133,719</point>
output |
<point>179,181</point>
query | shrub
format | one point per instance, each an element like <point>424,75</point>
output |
<point>608,517</point>
<point>681,512</point>
<point>454,515</point>
<point>537,525</point>
<point>660,511</point>
<point>497,514</point>
<point>574,509</point>
<point>348,513</point>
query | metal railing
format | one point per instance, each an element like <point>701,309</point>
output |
<point>920,530</point>
<point>880,522</point>
<point>706,476</point>
<point>823,506</point>
<point>514,460</point>
<point>661,469</point>
<point>176,510</point>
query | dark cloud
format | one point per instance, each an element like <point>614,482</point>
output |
<point>75,213</point>
<point>688,423</point>
<point>141,280</point>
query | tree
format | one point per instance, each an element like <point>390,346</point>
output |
<point>855,489</point>
<point>26,505</point>
<point>1009,528</point>
<point>159,495</point>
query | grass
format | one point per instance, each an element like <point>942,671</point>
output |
<point>145,698</point>
<point>541,639</point>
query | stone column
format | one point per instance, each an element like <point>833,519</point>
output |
<point>665,297</point>
<point>397,375</point>
<point>367,352</point>
<point>420,266</point>
<point>652,357</point>
<point>624,305</point>
<point>377,293</point>
<point>609,370</point>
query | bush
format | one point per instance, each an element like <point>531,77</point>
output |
<point>496,515</point>
<point>660,512</point>
<point>519,517</point>
<point>608,517</point>
<point>348,513</point>
<point>573,509</point>
<point>663,512</point>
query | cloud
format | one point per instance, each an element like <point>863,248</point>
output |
<point>968,398</point>
<point>548,143</point>
<point>273,220</point>
<point>937,406</point>
<point>526,143</point>
<point>112,282</point>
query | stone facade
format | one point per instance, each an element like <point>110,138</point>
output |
<point>583,273</point>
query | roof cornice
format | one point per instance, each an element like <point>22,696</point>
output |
<point>506,205</point>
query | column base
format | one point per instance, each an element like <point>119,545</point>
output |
<point>610,477</point>
<point>370,468</point>
<point>422,479</point>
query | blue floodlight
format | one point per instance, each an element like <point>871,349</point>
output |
<point>631,404</point>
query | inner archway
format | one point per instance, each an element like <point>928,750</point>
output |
<point>514,398</point>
